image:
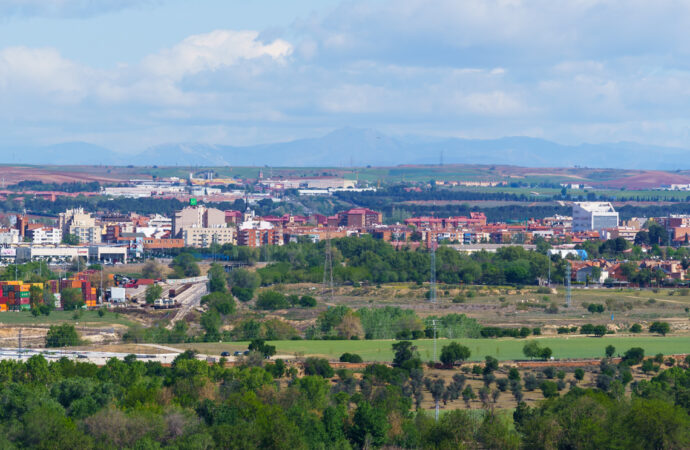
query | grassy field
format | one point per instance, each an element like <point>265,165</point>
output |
<point>502,349</point>
<point>56,317</point>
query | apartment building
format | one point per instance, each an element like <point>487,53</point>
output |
<point>197,217</point>
<point>204,237</point>
<point>81,224</point>
<point>45,235</point>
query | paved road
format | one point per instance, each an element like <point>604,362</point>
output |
<point>188,299</point>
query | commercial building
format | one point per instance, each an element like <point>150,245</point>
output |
<point>50,253</point>
<point>594,216</point>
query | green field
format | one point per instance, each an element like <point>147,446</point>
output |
<point>503,349</point>
<point>55,317</point>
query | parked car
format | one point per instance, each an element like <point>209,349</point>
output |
<point>225,354</point>
<point>238,353</point>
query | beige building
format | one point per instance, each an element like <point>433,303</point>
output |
<point>197,217</point>
<point>204,237</point>
<point>81,224</point>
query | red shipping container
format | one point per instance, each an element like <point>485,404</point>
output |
<point>24,301</point>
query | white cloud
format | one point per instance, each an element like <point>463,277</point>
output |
<point>211,51</point>
<point>42,71</point>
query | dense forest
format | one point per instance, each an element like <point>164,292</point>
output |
<point>196,405</point>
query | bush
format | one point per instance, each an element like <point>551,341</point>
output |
<point>271,300</point>
<point>62,336</point>
<point>318,366</point>
<point>549,389</point>
<point>579,374</point>
<point>350,357</point>
<point>633,356</point>
<point>531,382</point>
<point>636,328</point>
<point>307,301</point>
<point>242,294</point>
<point>660,327</point>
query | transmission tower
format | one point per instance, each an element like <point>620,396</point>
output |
<point>568,274</point>
<point>328,268</point>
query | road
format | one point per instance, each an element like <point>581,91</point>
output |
<point>188,299</point>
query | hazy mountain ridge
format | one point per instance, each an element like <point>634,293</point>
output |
<point>355,146</point>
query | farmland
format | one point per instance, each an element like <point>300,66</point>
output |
<point>501,349</point>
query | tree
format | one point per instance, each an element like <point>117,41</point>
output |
<point>636,328</point>
<point>152,270</point>
<point>184,266</point>
<point>633,356</point>
<point>350,357</point>
<point>221,302</point>
<point>610,350</point>
<point>369,426</point>
<point>661,328</point>
<point>71,299</point>
<point>454,352</point>
<point>217,279</point>
<point>62,336</point>
<point>153,293</point>
<point>70,239</point>
<point>307,301</point>
<point>531,349</point>
<point>35,295</point>
<point>259,345</point>
<point>318,366</point>
<point>350,326</point>
<point>271,300</point>
<point>406,356</point>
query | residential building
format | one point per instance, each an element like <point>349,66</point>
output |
<point>594,216</point>
<point>47,235</point>
<point>204,237</point>
<point>81,224</point>
<point>197,217</point>
<point>9,236</point>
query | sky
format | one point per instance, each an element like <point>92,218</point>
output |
<point>130,74</point>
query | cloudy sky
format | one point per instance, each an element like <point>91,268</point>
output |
<point>128,74</point>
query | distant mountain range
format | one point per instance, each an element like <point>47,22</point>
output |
<point>360,147</point>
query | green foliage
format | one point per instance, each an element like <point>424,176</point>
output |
<point>350,357</point>
<point>62,336</point>
<point>318,366</point>
<point>217,279</point>
<point>220,301</point>
<point>70,239</point>
<point>184,265</point>
<point>71,299</point>
<point>454,352</point>
<point>153,293</point>
<point>271,300</point>
<point>636,328</point>
<point>661,328</point>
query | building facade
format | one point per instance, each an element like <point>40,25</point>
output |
<point>594,216</point>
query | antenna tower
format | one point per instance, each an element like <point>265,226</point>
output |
<point>328,267</point>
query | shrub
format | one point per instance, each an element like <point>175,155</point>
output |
<point>62,336</point>
<point>318,366</point>
<point>636,328</point>
<point>350,357</point>
<point>660,327</point>
<point>579,374</point>
<point>271,300</point>
<point>242,294</point>
<point>307,301</point>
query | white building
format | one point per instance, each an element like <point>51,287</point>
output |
<point>80,224</point>
<point>594,216</point>
<point>46,235</point>
<point>9,236</point>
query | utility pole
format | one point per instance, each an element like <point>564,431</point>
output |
<point>328,266</point>
<point>568,293</point>
<point>19,345</point>
<point>432,281</point>
<point>433,322</point>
